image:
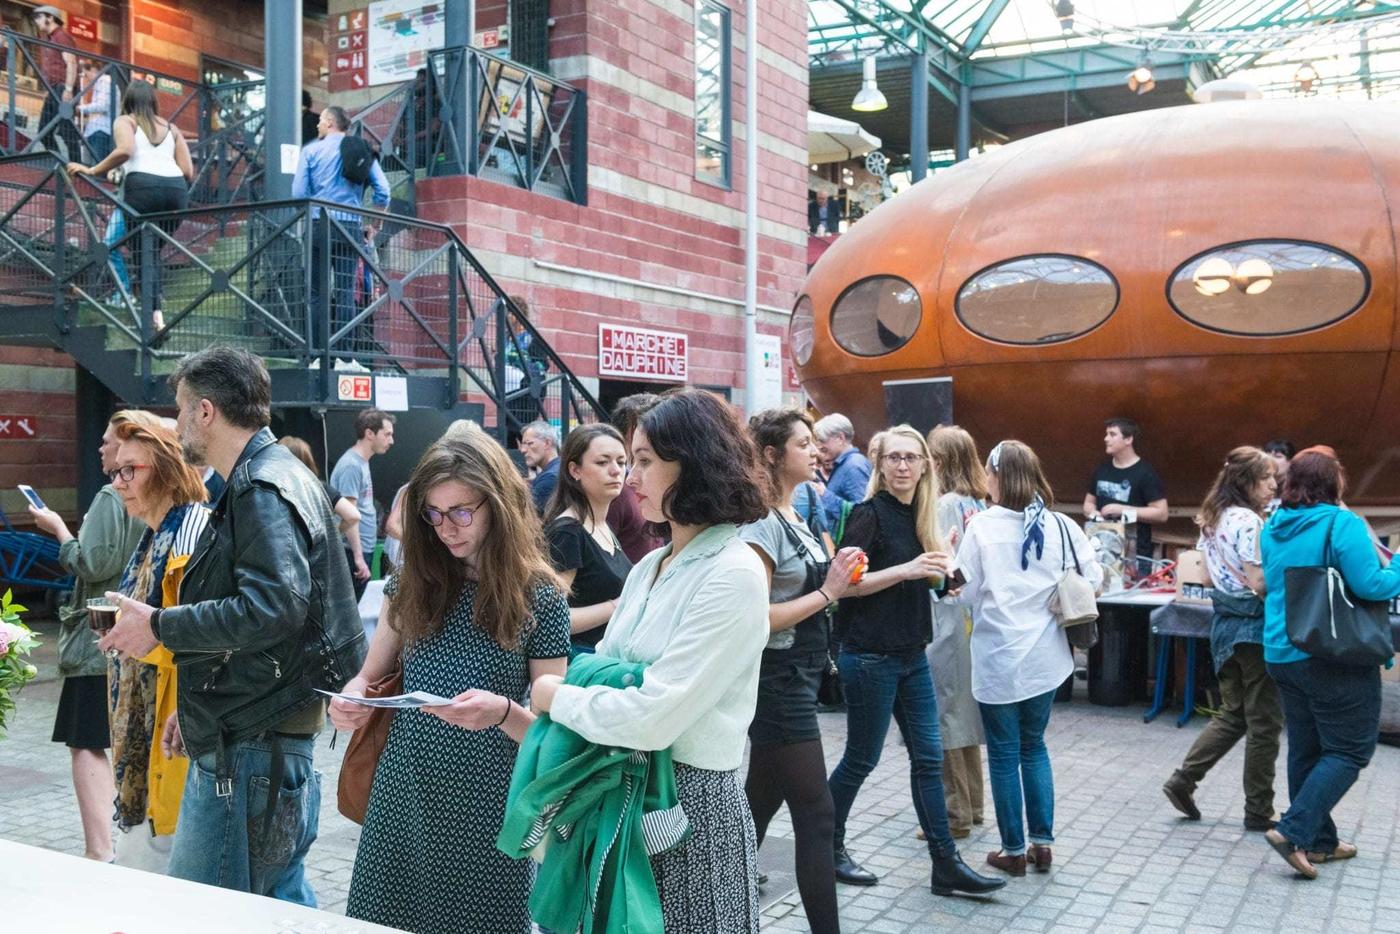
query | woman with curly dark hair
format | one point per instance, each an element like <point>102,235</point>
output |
<point>695,613</point>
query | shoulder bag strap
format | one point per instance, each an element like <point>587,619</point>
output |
<point>794,540</point>
<point>1067,546</point>
<point>1327,541</point>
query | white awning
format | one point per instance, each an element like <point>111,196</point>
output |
<point>831,139</point>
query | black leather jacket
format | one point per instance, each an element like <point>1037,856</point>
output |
<point>267,613</point>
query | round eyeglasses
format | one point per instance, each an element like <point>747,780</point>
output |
<point>126,473</point>
<point>460,516</point>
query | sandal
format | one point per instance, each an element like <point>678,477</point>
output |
<point>1295,858</point>
<point>1343,851</point>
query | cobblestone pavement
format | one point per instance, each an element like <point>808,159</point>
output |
<point>1124,861</point>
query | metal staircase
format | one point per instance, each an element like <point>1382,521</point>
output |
<point>287,280</point>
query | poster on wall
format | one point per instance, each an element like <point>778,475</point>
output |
<point>768,394</point>
<point>401,34</point>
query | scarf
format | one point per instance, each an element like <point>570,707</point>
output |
<point>1032,518</point>
<point>131,682</point>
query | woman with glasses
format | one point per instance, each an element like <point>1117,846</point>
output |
<point>883,624</point>
<point>583,548</point>
<point>166,495</point>
<point>474,614</point>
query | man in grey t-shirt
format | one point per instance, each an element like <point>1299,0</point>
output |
<point>374,434</point>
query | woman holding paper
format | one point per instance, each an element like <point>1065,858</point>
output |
<point>475,614</point>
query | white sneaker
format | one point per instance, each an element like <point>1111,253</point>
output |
<point>315,364</point>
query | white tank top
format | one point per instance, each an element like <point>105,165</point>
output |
<point>154,160</point>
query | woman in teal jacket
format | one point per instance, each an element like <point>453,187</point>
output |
<point>1332,710</point>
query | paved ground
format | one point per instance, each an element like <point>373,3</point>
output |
<point>1123,859</point>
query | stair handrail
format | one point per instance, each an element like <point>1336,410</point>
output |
<point>512,323</point>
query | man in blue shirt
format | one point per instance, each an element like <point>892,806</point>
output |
<point>850,471</point>
<point>319,176</point>
<point>539,442</point>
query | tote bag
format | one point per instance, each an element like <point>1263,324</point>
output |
<point>1325,619</point>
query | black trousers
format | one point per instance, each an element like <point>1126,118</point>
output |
<point>151,194</point>
<point>63,130</point>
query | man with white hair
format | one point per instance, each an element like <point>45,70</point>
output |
<point>539,442</point>
<point>849,474</point>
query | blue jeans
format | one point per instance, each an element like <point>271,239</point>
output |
<point>219,840</point>
<point>1019,766</point>
<point>877,687</point>
<point>116,229</point>
<point>1333,714</point>
<point>101,145</point>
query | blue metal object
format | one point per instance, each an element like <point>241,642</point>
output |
<point>28,559</point>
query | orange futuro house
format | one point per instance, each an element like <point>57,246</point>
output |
<point>1223,273</point>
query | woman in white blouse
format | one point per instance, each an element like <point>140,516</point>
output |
<point>1013,556</point>
<point>696,613</point>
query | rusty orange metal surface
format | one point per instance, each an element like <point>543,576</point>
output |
<point>1140,195</point>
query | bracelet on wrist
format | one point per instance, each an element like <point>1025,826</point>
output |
<point>505,716</point>
<point>822,591</point>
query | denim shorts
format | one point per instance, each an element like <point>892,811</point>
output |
<point>787,698</point>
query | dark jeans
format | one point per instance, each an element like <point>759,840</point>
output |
<point>151,194</point>
<point>101,145</point>
<point>879,686</point>
<point>1333,715</point>
<point>62,130</point>
<point>341,277</point>
<point>1249,708</point>
<point>1019,767</point>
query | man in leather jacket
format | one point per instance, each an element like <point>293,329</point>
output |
<point>267,615</point>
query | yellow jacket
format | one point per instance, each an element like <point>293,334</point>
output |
<point>166,777</point>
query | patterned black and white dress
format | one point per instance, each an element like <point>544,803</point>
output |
<point>427,859</point>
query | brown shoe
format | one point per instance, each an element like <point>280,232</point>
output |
<point>1295,858</point>
<point>1011,865</point>
<point>920,834</point>
<point>960,833</point>
<point>1343,851</point>
<point>1040,857</point>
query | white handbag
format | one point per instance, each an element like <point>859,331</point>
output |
<point>1074,602</point>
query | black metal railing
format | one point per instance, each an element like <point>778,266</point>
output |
<point>469,112</point>
<point>316,288</point>
<point>222,123</point>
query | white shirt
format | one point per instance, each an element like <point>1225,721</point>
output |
<point>99,109</point>
<point>700,628</point>
<point>1018,650</point>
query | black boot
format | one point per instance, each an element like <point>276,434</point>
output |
<point>851,872</point>
<point>950,874</point>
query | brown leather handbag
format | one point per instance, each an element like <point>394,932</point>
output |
<point>364,749</point>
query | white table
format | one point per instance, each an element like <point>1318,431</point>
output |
<point>58,894</point>
<point>1152,598</point>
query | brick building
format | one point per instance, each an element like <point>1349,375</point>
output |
<point>657,245</point>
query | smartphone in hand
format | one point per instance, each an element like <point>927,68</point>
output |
<point>33,497</point>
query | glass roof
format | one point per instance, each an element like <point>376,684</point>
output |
<point>1263,41</point>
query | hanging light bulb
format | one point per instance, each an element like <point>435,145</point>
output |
<point>869,98</point>
<point>1305,76</point>
<point>1064,12</point>
<point>1141,80</point>
<point>1213,276</point>
<point>1254,276</point>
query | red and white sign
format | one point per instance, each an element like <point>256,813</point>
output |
<point>638,353</point>
<point>351,20</point>
<point>354,389</point>
<point>349,70</point>
<point>492,38</point>
<point>18,427</point>
<point>81,27</point>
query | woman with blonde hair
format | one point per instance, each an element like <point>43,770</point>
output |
<point>963,480</point>
<point>166,495</point>
<point>1231,520</point>
<point>883,625</point>
<point>475,614</point>
<point>1012,558</point>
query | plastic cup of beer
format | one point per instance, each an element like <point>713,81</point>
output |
<point>102,614</point>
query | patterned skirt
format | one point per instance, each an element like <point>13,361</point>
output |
<point>710,883</point>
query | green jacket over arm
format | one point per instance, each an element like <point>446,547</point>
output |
<point>592,816</point>
<point>95,557</point>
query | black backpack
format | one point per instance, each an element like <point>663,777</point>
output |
<point>356,158</point>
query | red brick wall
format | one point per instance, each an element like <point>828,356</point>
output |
<point>641,157</point>
<point>33,382</point>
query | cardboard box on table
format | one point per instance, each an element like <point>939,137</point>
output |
<point>1193,581</point>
